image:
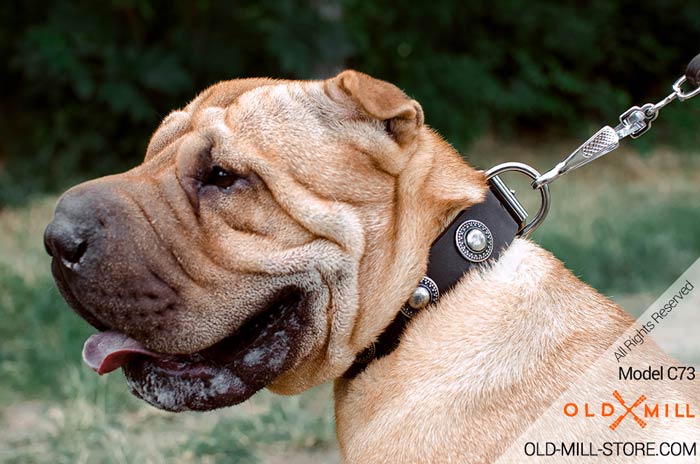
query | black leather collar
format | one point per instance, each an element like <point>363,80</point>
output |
<point>497,220</point>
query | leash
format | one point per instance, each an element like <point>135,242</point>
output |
<point>634,122</point>
<point>481,233</point>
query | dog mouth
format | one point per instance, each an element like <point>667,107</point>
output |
<point>224,374</point>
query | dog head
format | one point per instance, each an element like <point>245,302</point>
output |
<point>272,231</point>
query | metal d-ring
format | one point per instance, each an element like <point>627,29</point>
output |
<point>533,174</point>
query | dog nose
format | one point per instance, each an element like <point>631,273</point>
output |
<point>63,240</point>
<point>68,235</point>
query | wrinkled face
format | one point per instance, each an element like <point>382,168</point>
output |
<point>240,253</point>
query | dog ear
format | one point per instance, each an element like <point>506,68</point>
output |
<point>381,100</point>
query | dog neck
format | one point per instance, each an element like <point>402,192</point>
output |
<point>478,235</point>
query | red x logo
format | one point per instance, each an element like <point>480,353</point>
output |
<point>628,410</point>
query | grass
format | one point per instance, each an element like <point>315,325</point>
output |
<point>626,225</point>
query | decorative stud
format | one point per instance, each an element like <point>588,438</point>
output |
<point>420,298</point>
<point>426,292</point>
<point>474,241</point>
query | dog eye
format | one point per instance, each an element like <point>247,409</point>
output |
<point>221,178</point>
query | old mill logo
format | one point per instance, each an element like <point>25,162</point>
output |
<point>640,411</point>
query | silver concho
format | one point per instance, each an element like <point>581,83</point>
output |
<point>417,300</point>
<point>463,240</point>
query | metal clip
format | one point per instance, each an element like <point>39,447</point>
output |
<point>636,121</point>
<point>604,141</point>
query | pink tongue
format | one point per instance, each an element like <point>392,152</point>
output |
<point>107,351</point>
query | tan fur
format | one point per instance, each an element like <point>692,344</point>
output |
<point>472,373</point>
<point>353,188</point>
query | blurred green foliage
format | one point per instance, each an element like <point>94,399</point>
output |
<point>519,66</point>
<point>87,82</point>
